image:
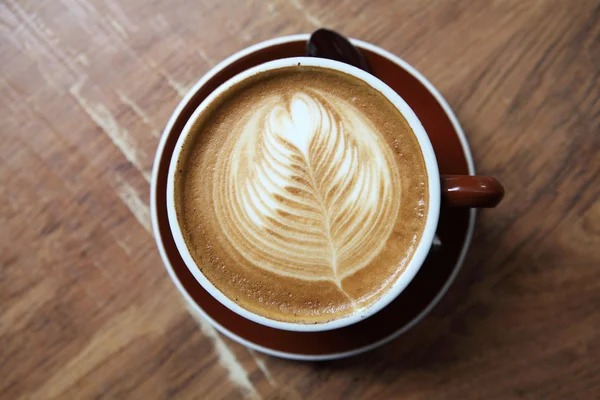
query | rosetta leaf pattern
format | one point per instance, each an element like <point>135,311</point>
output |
<point>310,190</point>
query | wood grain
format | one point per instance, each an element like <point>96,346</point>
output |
<point>88,310</point>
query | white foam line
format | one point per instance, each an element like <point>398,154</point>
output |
<point>300,7</point>
<point>138,111</point>
<point>228,360</point>
<point>116,133</point>
<point>260,363</point>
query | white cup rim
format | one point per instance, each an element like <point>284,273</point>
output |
<point>432,214</point>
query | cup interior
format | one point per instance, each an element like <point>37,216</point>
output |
<point>432,213</point>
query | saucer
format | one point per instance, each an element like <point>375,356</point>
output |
<point>455,226</point>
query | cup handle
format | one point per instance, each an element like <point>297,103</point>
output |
<point>471,191</point>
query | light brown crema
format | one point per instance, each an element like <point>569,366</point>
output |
<point>302,194</point>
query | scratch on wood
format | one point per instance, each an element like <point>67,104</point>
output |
<point>121,17</point>
<point>117,134</point>
<point>138,111</point>
<point>90,20</point>
<point>118,27</point>
<point>160,22</point>
<point>107,33</point>
<point>211,62</point>
<point>136,205</point>
<point>310,18</point>
<point>82,59</point>
<point>237,373</point>
<point>260,363</point>
<point>179,87</point>
<point>41,45</point>
<point>124,246</point>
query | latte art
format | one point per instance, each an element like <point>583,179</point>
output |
<point>301,194</point>
<point>309,189</point>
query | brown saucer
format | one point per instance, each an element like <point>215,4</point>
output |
<point>431,282</point>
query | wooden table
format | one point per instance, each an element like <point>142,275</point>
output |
<point>87,309</point>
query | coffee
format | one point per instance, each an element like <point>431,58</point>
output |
<point>301,194</point>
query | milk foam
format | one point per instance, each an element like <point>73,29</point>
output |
<point>308,189</point>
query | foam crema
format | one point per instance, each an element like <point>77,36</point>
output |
<point>301,194</point>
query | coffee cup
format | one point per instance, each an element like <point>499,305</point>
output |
<point>458,191</point>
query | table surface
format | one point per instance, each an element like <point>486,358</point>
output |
<point>88,310</point>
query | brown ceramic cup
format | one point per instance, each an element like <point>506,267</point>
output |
<point>466,191</point>
<point>455,227</point>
